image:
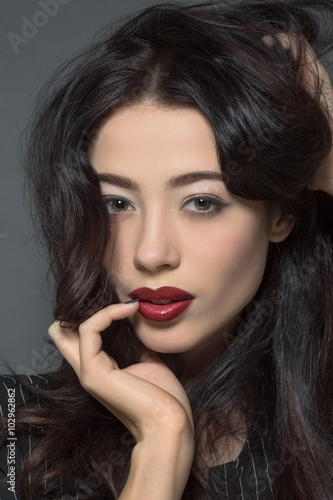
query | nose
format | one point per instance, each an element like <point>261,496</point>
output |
<point>157,246</point>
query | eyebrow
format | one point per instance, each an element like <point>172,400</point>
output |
<point>180,180</point>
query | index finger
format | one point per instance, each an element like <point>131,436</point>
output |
<point>89,330</point>
<point>311,65</point>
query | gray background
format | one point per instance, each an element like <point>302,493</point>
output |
<point>25,302</point>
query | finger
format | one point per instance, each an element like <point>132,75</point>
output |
<point>327,89</point>
<point>153,370</point>
<point>311,66</point>
<point>312,74</point>
<point>303,52</point>
<point>89,331</point>
<point>138,401</point>
<point>67,343</point>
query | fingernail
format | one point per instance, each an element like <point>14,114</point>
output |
<point>130,301</point>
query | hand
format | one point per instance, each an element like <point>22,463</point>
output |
<point>146,397</point>
<point>323,178</point>
<point>310,70</point>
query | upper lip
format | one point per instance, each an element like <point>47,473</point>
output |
<point>162,293</point>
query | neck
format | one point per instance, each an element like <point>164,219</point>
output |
<point>189,365</point>
<point>200,358</point>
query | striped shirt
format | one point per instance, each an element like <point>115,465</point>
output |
<point>246,478</point>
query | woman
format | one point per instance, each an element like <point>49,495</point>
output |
<point>179,171</point>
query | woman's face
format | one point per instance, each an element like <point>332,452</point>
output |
<point>178,228</point>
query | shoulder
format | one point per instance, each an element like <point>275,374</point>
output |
<point>15,391</point>
<point>19,389</point>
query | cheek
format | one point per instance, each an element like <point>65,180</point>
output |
<point>231,255</point>
<point>117,262</point>
<point>223,256</point>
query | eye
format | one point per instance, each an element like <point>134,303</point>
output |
<point>204,205</point>
<point>117,205</point>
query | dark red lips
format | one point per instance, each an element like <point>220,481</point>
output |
<point>163,293</point>
<point>160,313</point>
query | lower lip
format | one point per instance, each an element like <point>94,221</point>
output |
<point>163,313</point>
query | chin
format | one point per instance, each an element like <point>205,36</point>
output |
<point>166,345</point>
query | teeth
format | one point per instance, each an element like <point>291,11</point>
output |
<point>160,302</point>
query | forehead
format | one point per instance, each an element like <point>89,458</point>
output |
<point>141,136</point>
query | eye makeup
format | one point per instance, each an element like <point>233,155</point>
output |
<point>118,205</point>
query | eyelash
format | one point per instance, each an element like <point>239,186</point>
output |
<point>218,204</point>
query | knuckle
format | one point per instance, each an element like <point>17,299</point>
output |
<point>53,329</point>
<point>84,328</point>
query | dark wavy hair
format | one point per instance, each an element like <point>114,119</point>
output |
<point>272,135</point>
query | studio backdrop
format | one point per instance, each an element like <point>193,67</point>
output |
<point>36,37</point>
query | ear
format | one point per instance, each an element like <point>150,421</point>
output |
<point>281,227</point>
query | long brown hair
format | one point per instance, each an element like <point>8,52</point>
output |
<point>272,136</point>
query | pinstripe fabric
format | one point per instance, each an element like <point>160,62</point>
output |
<point>246,478</point>
<point>23,447</point>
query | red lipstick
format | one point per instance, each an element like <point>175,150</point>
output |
<point>176,301</point>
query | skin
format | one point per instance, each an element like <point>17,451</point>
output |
<point>163,238</point>
<point>219,259</point>
<point>160,240</point>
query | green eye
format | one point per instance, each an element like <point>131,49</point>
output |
<point>197,205</point>
<point>117,205</point>
<point>204,206</point>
